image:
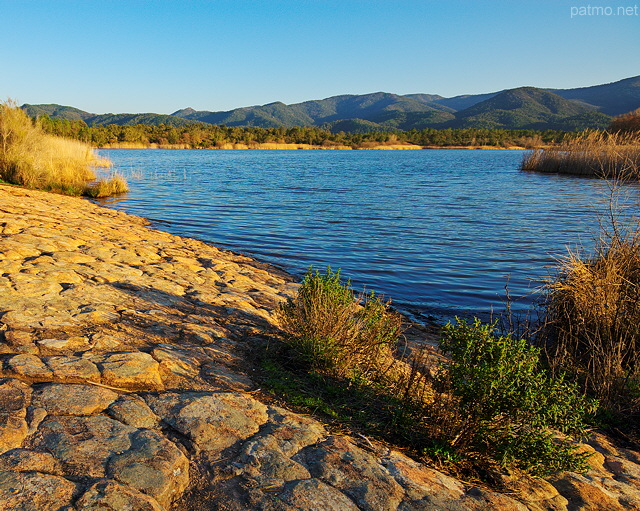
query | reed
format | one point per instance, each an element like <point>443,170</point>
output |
<point>29,157</point>
<point>592,322</point>
<point>600,154</point>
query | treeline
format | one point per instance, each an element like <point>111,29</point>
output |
<point>200,135</point>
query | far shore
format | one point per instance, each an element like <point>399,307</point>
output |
<point>284,146</point>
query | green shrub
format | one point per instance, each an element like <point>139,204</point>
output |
<point>338,332</point>
<point>494,399</point>
<point>489,406</point>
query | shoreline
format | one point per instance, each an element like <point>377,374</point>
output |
<point>305,147</point>
<point>128,375</point>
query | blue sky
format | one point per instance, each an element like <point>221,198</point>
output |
<point>160,56</point>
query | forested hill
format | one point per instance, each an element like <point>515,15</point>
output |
<point>521,108</point>
<point>74,114</point>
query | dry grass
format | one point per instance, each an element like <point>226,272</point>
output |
<point>31,158</point>
<point>592,323</point>
<point>600,154</point>
<point>103,188</point>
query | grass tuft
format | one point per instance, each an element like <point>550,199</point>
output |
<point>592,323</point>
<point>31,158</point>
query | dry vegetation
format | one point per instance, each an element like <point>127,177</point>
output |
<point>598,154</point>
<point>489,406</point>
<point>592,323</point>
<point>31,158</point>
<point>628,122</point>
<point>339,333</point>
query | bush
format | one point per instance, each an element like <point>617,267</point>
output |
<point>494,401</point>
<point>337,332</point>
<point>629,122</point>
<point>31,158</point>
<point>592,322</point>
<point>489,406</point>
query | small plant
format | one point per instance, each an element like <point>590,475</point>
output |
<point>493,399</point>
<point>338,332</point>
<point>114,186</point>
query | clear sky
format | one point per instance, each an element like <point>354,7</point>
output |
<point>159,56</point>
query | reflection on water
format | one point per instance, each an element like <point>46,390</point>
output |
<point>441,232</point>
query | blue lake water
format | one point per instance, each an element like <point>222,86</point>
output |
<point>440,232</point>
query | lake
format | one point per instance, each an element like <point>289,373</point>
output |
<point>440,232</point>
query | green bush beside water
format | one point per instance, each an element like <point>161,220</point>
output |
<point>503,404</point>
<point>490,406</point>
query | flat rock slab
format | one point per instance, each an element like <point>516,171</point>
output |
<point>15,396</point>
<point>35,491</point>
<point>132,370</point>
<point>72,399</point>
<point>212,421</point>
<point>83,445</point>
<point>153,465</point>
<point>111,496</point>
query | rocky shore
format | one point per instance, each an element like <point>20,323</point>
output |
<point>126,384</point>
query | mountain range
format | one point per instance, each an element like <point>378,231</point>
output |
<point>520,108</point>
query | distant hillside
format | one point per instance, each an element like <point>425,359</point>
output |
<point>379,107</point>
<point>521,108</point>
<point>133,119</point>
<point>57,111</point>
<point>611,98</point>
<point>529,108</point>
<point>75,114</point>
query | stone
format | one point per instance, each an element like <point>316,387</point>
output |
<point>35,491</point>
<point>354,472</point>
<point>291,432</point>
<point>24,460</point>
<point>314,495</point>
<point>83,445</point>
<point>73,399</point>
<point>131,370</point>
<point>14,399</point>
<point>18,337</point>
<point>153,465</point>
<point>21,320</point>
<point>108,495</point>
<point>70,345</point>
<point>132,410</point>
<point>35,416</point>
<point>268,466</point>
<point>540,495</point>
<point>583,496</point>
<point>420,482</point>
<point>173,363</point>
<point>73,369</point>
<point>212,421</point>
<point>30,367</point>
<point>480,499</point>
